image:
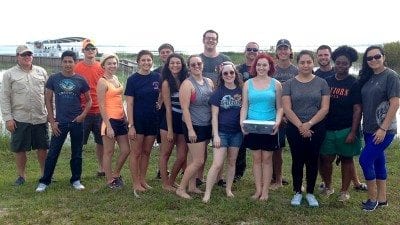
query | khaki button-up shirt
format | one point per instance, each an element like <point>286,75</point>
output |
<point>22,95</point>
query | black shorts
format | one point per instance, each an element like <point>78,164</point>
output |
<point>92,123</point>
<point>147,126</point>
<point>176,123</point>
<point>119,126</point>
<point>265,142</point>
<point>28,136</point>
<point>203,133</point>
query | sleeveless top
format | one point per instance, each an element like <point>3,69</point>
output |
<point>199,108</point>
<point>262,103</point>
<point>176,105</point>
<point>113,100</point>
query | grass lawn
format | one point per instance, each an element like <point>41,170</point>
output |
<point>60,204</point>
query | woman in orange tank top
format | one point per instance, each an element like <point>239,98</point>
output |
<point>114,125</point>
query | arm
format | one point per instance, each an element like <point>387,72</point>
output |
<point>48,100</point>
<point>355,124</point>
<point>214,123</point>
<point>287,109</point>
<point>6,103</point>
<point>380,134</point>
<point>319,116</point>
<point>185,92</point>
<point>211,83</point>
<point>101,95</point>
<point>245,106</point>
<point>88,105</point>
<point>129,108</point>
<point>166,99</point>
<point>279,109</point>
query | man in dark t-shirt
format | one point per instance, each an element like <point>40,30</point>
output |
<point>325,69</point>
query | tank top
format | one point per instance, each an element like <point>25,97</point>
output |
<point>262,103</point>
<point>199,108</point>
<point>176,105</point>
<point>113,100</point>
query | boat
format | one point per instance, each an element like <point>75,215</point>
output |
<point>55,47</point>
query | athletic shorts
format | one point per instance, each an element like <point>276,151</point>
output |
<point>203,133</point>
<point>334,144</point>
<point>118,125</point>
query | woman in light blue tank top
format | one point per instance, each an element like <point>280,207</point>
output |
<point>262,101</point>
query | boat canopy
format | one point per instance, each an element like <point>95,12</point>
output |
<point>60,40</point>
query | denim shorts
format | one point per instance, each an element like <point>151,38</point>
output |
<point>231,139</point>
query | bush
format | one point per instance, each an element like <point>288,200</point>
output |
<point>392,51</point>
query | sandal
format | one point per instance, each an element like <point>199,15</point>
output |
<point>361,187</point>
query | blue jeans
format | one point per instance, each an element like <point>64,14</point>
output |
<point>56,143</point>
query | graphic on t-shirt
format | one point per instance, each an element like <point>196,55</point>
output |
<point>67,85</point>
<point>229,102</point>
<point>155,85</point>
<point>381,112</point>
<point>337,92</point>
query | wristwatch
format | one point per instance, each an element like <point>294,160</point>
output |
<point>130,125</point>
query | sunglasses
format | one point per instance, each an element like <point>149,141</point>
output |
<point>226,73</point>
<point>90,48</point>
<point>26,54</point>
<point>193,65</point>
<point>252,49</point>
<point>376,57</point>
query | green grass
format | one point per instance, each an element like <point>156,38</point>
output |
<point>60,204</point>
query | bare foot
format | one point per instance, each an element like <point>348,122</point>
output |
<point>182,193</point>
<point>206,198</point>
<point>229,194</point>
<point>138,188</point>
<point>196,191</point>
<point>146,186</point>
<point>263,198</point>
<point>256,196</point>
<point>176,185</point>
<point>275,186</point>
<point>168,188</point>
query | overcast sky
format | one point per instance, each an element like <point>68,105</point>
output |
<point>149,23</point>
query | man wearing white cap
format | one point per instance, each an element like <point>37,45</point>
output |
<point>23,109</point>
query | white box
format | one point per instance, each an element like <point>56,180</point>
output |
<point>258,126</point>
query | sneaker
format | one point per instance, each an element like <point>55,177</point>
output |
<point>114,184</point>
<point>361,187</point>
<point>119,181</point>
<point>296,200</point>
<point>237,179</point>
<point>321,186</point>
<point>41,187</point>
<point>199,182</point>
<point>77,185</point>
<point>221,183</point>
<point>380,204</point>
<point>344,196</point>
<point>328,192</point>
<point>285,181</point>
<point>312,201</point>
<point>100,174</point>
<point>370,205</point>
<point>19,181</point>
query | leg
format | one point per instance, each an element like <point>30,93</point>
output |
<point>266,173</point>
<point>108,148</point>
<point>123,144</point>
<point>136,150</point>
<point>326,169</point>
<point>257,173</point>
<point>217,165</point>
<point>76,135</point>
<point>240,162</point>
<point>277,167</point>
<point>20,160</point>
<point>232,158</point>
<point>166,149</point>
<point>346,168</point>
<point>181,155</point>
<point>145,157</point>
<point>41,156</point>
<point>99,155</point>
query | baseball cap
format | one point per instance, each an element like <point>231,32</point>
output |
<point>22,49</point>
<point>87,42</point>
<point>283,42</point>
<point>107,56</point>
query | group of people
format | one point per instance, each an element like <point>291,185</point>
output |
<point>208,99</point>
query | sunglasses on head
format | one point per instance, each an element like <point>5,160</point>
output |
<point>252,49</point>
<point>377,56</point>
<point>193,65</point>
<point>226,73</point>
<point>26,54</point>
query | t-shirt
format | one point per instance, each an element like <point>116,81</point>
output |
<point>344,95</point>
<point>211,65</point>
<point>229,102</point>
<point>145,90</point>
<point>284,74</point>
<point>305,97</point>
<point>244,70</point>
<point>67,92</point>
<point>325,74</point>
<point>375,99</point>
<point>92,73</point>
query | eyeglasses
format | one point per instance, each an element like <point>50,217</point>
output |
<point>193,65</point>
<point>226,73</point>
<point>90,48</point>
<point>252,49</point>
<point>26,54</point>
<point>376,57</point>
<point>210,38</point>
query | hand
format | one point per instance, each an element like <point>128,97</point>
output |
<point>54,128</point>
<point>170,136</point>
<point>158,106</point>
<point>242,127</point>
<point>110,132</point>
<point>11,125</point>
<point>379,136</point>
<point>132,133</point>
<point>217,141</point>
<point>79,119</point>
<point>351,137</point>
<point>192,136</point>
<point>307,134</point>
<point>275,128</point>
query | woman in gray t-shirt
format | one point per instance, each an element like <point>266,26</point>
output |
<point>305,103</point>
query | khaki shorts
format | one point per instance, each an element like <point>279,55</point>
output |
<point>28,136</point>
